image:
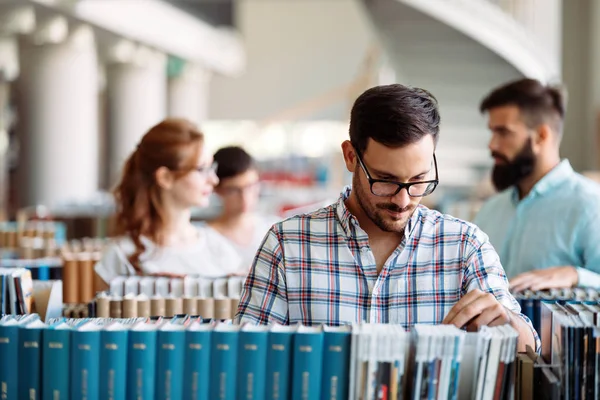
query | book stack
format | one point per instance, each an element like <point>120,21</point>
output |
<point>146,296</point>
<point>16,291</point>
<point>570,333</point>
<point>33,239</point>
<point>187,358</point>
<point>531,301</point>
<point>32,245</point>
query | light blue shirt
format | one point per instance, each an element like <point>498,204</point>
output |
<point>556,224</point>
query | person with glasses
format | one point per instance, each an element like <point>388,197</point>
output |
<point>168,174</point>
<point>377,255</point>
<point>239,191</point>
<point>544,220</point>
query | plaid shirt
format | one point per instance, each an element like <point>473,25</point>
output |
<point>318,268</point>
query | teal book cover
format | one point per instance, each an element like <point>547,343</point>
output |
<point>170,360</point>
<point>113,362</point>
<point>224,362</point>
<point>9,359</point>
<point>252,362</point>
<point>279,362</point>
<point>336,360</point>
<point>196,373</point>
<point>85,361</point>
<point>30,359</point>
<point>141,369</point>
<point>307,363</point>
<point>56,361</point>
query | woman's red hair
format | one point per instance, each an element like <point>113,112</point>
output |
<point>174,144</point>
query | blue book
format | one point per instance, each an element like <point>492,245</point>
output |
<point>30,359</point>
<point>9,359</point>
<point>336,359</point>
<point>279,361</point>
<point>141,370</point>
<point>196,372</point>
<point>9,354</point>
<point>56,361</point>
<point>85,361</point>
<point>169,367</point>
<point>224,362</point>
<point>307,364</point>
<point>113,362</point>
<point>252,362</point>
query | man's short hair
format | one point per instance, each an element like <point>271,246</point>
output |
<point>538,103</point>
<point>233,161</point>
<point>393,115</point>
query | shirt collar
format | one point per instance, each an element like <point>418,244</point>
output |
<point>557,175</point>
<point>348,220</point>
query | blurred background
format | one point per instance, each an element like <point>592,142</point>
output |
<point>82,80</point>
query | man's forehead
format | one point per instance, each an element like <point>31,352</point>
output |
<point>405,161</point>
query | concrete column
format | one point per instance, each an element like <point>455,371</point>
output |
<point>58,114</point>
<point>188,91</point>
<point>581,48</point>
<point>136,89</point>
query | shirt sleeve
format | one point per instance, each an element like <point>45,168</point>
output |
<point>264,295</point>
<point>589,236</point>
<point>112,264</point>
<point>484,272</point>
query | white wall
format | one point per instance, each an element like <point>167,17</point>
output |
<point>297,50</point>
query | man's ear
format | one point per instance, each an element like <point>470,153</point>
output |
<point>349,155</point>
<point>543,134</point>
<point>164,178</point>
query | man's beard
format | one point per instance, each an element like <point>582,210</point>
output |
<point>511,173</point>
<point>376,212</point>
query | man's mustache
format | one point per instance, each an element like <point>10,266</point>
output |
<point>393,207</point>
<point>500,156</point>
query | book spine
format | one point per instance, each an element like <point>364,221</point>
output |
<point>85,364</point>
<point>197,365</point>
<point>56,364</point>
<point>279,359</point>
<point>223,359</point>
<point>252,365</point>
<point>141,369</point>
<point>336,358</point>
<point>169,368</point>
<point>30,357</point>
<point>307,366</point>
<point>113,365</point>
<point>9,360</point>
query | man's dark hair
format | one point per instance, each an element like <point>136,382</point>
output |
<point>233,161</point>
<point>537,102</point>
<point>393,115</point>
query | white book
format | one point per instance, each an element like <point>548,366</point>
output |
<point>176,287</point>
<point>131,285</point>
<point>117,286</point>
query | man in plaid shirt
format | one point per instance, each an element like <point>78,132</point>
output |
<point>376,254</point>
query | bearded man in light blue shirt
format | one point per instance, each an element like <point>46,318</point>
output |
<point>545,222</point>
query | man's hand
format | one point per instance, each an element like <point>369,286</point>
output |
<point>476,309</point>
<point>549,278</point>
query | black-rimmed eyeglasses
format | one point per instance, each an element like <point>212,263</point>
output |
<point>385,188</point>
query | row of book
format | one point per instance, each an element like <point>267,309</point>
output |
<point>531,301</point>
<point>16,291</point>
<point>130,306</point>
<point>570,334</point>
<point>190,286</point>
<point>190,358</point>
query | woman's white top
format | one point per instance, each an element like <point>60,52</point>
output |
<point>210,256</point>
<point>248,252</point>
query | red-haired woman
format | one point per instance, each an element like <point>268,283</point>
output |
<point>166,176</point>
